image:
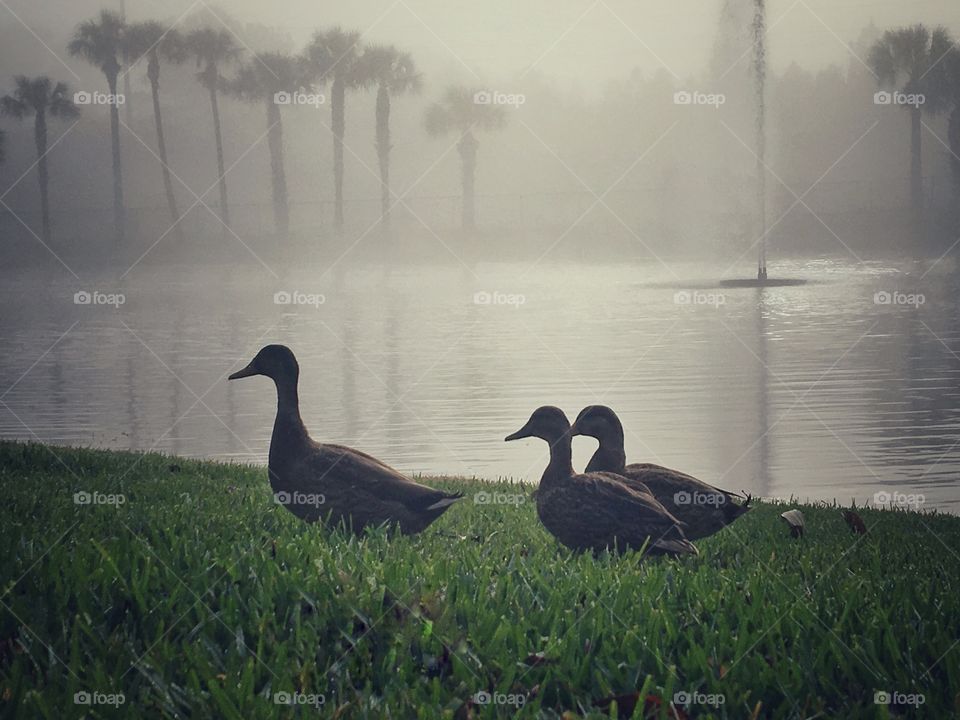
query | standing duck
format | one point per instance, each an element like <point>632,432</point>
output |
<point>703,508</point>
<point>596,510</point>
<point>315,481</point>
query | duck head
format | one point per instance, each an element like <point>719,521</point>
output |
<point>277,362</point>
<point>600,422</point>
<point>547,423</point>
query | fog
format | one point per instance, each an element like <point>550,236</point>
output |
<point>598,119</point>
<point>517,358</point>
<point>563,244</point>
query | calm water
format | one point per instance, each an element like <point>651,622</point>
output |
<point>815,391</point>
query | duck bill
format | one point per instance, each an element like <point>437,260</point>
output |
<point>574,430</point>
<point>519,434</point>
<point>245,372</point>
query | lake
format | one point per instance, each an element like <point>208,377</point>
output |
<point>841,388</point>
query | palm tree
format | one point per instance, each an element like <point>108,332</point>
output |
<point>909,60</point>
<point>338,52</point>
<point>40,97</point>
<point>152,40</point>
<point>265,79</point>
<point>99,42</point>
<point>952,82</point>
<point>213,49</point>
<point>459,111</point>
<point>394,74</point>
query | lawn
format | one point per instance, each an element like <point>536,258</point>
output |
<point>151,586</point>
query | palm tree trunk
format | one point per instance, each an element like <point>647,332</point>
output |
<point>119,211</point>
<point>953,137</point>
<point>153,73</point>
<point>40,136</point>
<point>281,211</point>
<point>125,55</point>
<point>338,122</point>
<point>916,164</point>
<point>383,151</point>
<point>467,147</point>
<point>218,137</point>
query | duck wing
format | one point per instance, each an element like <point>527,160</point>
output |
<point>639,503</point>
<point>703,508</point>
<point>641,467</point>
<point>357,453</point>
<point>661,479</point>
<point>343,469</point>
<point>600,509</point>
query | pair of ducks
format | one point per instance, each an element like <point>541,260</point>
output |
<point>611,505</point>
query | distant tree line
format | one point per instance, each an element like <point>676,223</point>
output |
<point>333,59</point>
<point>917,67</point>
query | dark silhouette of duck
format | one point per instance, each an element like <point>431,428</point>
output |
<point>318,481</point>
<point>702,508</point>
<point>596,510</point>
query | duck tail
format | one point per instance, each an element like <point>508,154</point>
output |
<point>446,501</point>
<point>733,510</point>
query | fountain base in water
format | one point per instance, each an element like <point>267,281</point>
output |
<point>761,282</point>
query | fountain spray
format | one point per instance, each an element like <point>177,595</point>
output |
<point>760,81</point>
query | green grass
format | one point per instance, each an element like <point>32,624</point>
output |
<point>199,597</point>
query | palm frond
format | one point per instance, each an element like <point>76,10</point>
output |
<point>460,110</point>
<point>387,66</point>
<point>265,75</point>
<point>98,41</point>
<point>916,61</point>
<point>337,52</point>
<point>150,36</point>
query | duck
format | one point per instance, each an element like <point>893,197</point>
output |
<point>703,508</point>
<point>321,481</point>
<point>596,510</point>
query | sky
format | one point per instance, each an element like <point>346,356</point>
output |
<point>579,43</point>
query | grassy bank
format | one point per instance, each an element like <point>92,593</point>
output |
<point>183,587</point>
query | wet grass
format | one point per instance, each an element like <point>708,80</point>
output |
<point>199,597</point>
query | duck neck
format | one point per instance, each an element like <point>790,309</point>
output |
<point>610,456</point>
<point>561,461</point>
<point>288,427</point>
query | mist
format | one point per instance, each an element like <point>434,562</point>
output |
<point>407,358</point>
<point>598,119</point>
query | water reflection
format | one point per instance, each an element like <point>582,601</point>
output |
<point>815,391</point>
<point>762,479</point>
